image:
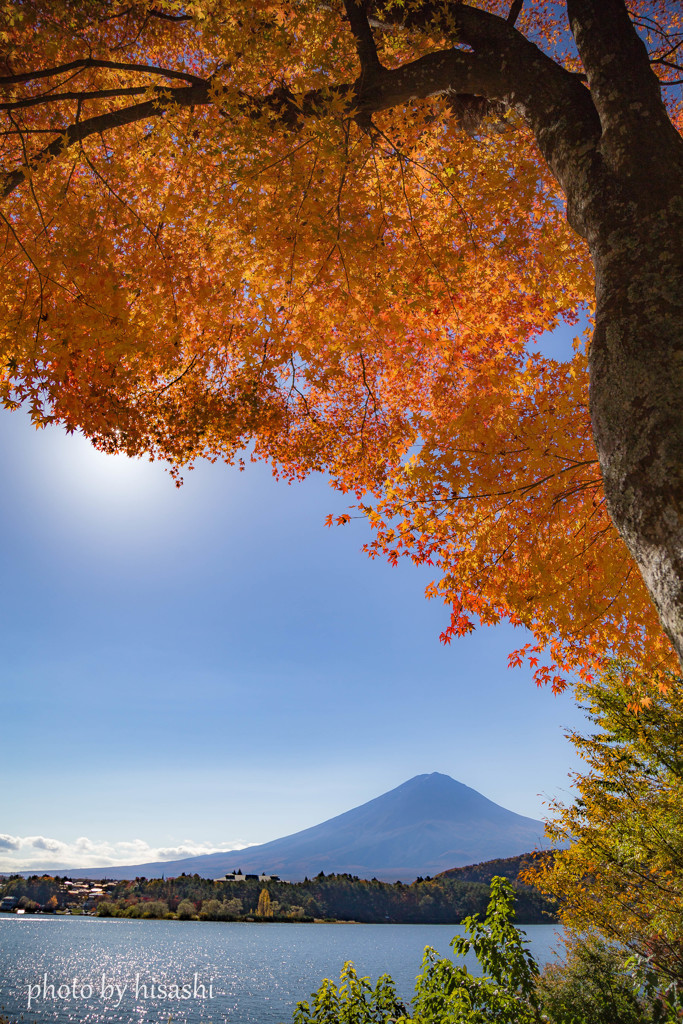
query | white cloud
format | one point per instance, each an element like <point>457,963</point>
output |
<point>21,853</point>
<point>188,848</point>
<point>41,843</point>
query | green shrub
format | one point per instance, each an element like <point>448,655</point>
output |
<point>104,909</point>
<point>596,984</point>
<point>230,909</point>
<point>506,990</point>
<point>445,993</point>
<point>186,911</point>
<point>354,1002</point>
<point>154,909</point>
<point>133,910</point>
<point>210,910</point>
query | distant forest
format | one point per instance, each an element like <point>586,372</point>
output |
<point>444,899</point>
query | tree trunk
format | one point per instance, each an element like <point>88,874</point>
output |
<point>636,388</point>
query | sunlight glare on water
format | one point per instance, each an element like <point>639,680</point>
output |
<point>257,972</point>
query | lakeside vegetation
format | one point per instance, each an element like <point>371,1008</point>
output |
<point>593,985</point>
<point>445,899</point>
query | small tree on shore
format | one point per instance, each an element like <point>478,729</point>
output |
<point>264,908</point>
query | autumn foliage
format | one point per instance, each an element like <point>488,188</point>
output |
<point>622,872</point>
<point>208,253</point>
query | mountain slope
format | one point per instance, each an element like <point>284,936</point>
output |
<point>426,825</point>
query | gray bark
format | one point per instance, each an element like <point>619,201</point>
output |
<point>636,393</point>
<point>627,201</point>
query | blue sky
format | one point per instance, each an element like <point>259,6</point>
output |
<point>189,670</point>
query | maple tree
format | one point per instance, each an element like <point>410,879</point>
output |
<point>328,235</point>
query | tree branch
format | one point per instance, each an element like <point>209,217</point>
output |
<point>365,41</point>
<point>170,17</point>
<point>625,90</point>
<point>55,97</point>
<point>92,62</point>
<point>194,95</point>
<point>501,66</point>
<point>515,10</point>
<point>513,70</point>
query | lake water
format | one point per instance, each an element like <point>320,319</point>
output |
<point>75,968</point>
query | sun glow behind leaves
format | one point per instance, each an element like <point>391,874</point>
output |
<point>258,268</point>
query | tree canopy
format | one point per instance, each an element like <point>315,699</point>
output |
<point>328,236</point>
<point>622,872</point>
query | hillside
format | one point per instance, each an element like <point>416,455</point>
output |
<point>510,867</point>
<point>441,900</point>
